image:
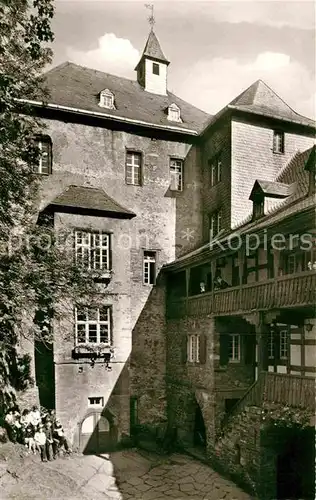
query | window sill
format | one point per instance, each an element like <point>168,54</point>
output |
<point>104,276</point>
<point>88,351</point>
<point>278,152</point>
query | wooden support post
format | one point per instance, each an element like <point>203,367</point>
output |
<point>276,262</point>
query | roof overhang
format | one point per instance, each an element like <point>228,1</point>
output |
<point>88,201</point>
<point>108,116</point>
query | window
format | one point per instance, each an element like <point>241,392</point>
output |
<point>278,142</point>
<point>44,165</point>
<point>149,268</point>
<point>155,68</point>
<point>133,168</point>
<point>107,99</point>
<point>93,325</point>
<point>174,113</point>
<point>234,347</point>
<point>215,223</point>
<point>194,348</point>
<point>258,209</point>
<point>283,344</point>
<point>176,174</point>
<point>92,250</point>
<point>216,170</point>
<point>96,401</point>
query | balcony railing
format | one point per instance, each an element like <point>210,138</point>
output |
<point>286,291</point>
<point>289,390</point>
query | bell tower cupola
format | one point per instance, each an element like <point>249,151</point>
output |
<point>152,67</point>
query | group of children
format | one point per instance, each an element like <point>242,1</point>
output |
<point>39,430</point>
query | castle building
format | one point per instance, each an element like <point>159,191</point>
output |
<point>144,181</point>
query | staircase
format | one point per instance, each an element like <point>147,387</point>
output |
<point>291,390</point>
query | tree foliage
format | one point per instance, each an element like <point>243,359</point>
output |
<point>34,279</point>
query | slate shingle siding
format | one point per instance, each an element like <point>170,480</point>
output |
<point>253,158</point>
<point>218,196</point>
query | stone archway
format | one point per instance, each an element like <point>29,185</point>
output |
<point>97,432</point>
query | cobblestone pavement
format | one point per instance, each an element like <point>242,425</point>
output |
<point>177,477</point>
<point>122,475</point>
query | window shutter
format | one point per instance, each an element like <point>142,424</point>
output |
<point>250,348</point>
<point>202,349</point>
<point>223,354</point>
<point>184,349</point>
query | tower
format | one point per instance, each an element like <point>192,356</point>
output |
<point>152,67</point>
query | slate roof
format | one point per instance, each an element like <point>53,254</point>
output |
<point>260,99</point>
<point>78,87</point>
<point>271,189</point>
<point>88,199</point>
<point>295,178</point>
<point>295,171</point>
<point>153,49</point>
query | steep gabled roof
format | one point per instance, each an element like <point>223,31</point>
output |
<point>153,50</point>
<point>77,199</point>
<point>76,87</point>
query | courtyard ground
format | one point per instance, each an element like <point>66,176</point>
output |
<point>122,475</point>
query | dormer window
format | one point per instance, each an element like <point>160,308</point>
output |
<point>174,113</point>
<point>106,99</point>
<point>258,208</point>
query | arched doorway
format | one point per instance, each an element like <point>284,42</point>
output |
<point>199,433</point>
<point>97,433</point>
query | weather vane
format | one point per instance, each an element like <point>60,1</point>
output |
<point>151,18</point>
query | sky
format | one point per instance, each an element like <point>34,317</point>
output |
<point>216,49</point>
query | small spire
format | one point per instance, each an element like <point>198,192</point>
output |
<point>151,18</point>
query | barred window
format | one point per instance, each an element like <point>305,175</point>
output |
<point>93,325</point>
<point>176,174</point>
<point>92,250</point>
<point>133,168</point>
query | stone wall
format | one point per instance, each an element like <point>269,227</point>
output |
<point>148,360</point>
<point>95,157</point>
<point>237,452</point>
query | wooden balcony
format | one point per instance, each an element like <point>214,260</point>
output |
<point>287,291</point>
